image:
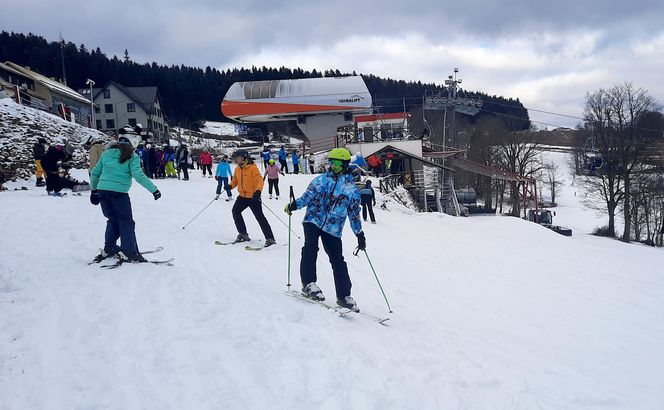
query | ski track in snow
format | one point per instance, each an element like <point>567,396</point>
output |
<point>490,312</point>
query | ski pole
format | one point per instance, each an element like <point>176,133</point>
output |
<point>290,216</point>
<point>357,250</point>
<point>206,207</point>
<point>280,220</point>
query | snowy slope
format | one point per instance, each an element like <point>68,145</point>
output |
<point>490,312</point>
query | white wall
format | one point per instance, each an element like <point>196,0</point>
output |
<point>369,148</point>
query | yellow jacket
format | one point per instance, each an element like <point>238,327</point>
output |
<point>247,179</point>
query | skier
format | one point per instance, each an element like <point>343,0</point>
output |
<point>368,199</point>
<point>38,152</point>
<point>266,156</point>
<point>222,175</point>
<point>206,162</point>
<point>282,159</point>
<point>169,157</point>
<point>49,162</point>
<point>375,165</point>
<point>296,162</point>
<point>272,173</point>
<point>97,148</point>
<point>247,179</point>
<point>329,199</point>
<point>184,160</point>
<point>312,163</point>
<point>110,181</point>
<point>160,160</point>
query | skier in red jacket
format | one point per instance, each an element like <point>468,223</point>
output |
<point>205,159</point>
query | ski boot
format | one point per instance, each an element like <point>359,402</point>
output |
<point>348,303</point>
<point>40,182</point>
<point>312,291</point>
<point>243,237</point>
<point>277,198</point>
<point>102,255</point>
<point>135,258</point>
<point>270,242</point>
<point>270,196</point>
<point>229,199</point>
<point>216,198</point>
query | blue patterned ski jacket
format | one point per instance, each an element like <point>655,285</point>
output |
<point>329,199</point>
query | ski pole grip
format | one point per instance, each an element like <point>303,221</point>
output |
<point>292,195</point>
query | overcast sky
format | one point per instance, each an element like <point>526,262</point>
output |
<point>547,53</point>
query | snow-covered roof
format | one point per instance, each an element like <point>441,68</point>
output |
<point>53,85</point>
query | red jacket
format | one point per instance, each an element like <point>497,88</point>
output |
<point>374,161</point>
<point>205,158</point>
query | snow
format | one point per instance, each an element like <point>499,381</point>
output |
<point>489,312</point>
<point>220,128</point>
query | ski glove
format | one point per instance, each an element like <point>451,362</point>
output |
<point>290,207</point>
<point>156,194</point>
<point>361,241</point>
<point>257,196</point>
<point>94,197</point>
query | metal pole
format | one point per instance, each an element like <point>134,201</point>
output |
<point>206,207</point>
<point>290,216</point>
<point>377,280</point>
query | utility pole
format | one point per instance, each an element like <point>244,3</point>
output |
<point>62,59</point>
<point>91,83</point>
<point>452,82</point>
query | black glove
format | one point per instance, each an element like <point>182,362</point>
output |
<point>361,241</point>
<point>156,194</point>
<point>256,196</point>
<point>94,197</point>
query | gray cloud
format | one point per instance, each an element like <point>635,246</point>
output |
<point>548,53</point>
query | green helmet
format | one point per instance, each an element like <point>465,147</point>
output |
<point>342,154</point>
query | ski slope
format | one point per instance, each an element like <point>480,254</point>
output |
<point>489,313</point>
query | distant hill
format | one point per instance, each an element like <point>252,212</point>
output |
<point>192,94</point>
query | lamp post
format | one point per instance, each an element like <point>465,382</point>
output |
<point>91,83</point>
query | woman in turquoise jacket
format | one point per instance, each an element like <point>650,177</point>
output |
<point>110,181</point>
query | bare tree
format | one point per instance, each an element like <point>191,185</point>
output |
<point>518,154</point>
<point>614,115</point>
<point>552,179</point>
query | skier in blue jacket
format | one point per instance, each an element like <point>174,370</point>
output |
<point>282,159</point>
<point>223,175</point>
<point>329,199</point>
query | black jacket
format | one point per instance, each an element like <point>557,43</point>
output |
<point>38,151</point>
<point>50,160</point>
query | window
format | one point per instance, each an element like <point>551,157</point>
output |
<point>97,109</point>
<point>132,121</point>
<point>110,124</point>
<point>161,127</point>
<point>98,124</point>
<point>159,112</point>
<point>107,94</point>
<point>150,124</point>
<point>131,107</point>
<point>108,108</point>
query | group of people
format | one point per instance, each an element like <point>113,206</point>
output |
<point>282,156</point>
<point>165,161</point>
<point>329,200</point>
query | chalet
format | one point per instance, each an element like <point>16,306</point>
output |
<point>117,106</point>
<point>33,89</point>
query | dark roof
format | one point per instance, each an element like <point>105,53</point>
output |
<point>143,96</point>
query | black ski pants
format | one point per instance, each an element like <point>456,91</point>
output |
<point>53,182</point>
<point>368,206</point>
<point>273,183</point>
<point>334,250</point>
<point>256,207</point>
<point>208,168</point>
<point>284,165</point>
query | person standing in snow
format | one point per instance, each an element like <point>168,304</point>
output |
<point>272,173</point>
<point>38,152</point>
<point>249,183</point>
<point>97,148</point>
<point>312,163</point>
<point>205,160</point>
<point>296,162</point>
<point>50,164</point>
<point>329,199</point>
<point>282,159</point>
<point>266,155</point>
<point>169,157</point>
<point>368,199</point>
<point>110,181</point>
<point>184,161</point>
<point>223,175</point>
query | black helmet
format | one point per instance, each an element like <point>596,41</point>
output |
<point>240,153</point>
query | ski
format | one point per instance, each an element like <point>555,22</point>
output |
<point>155,250</point>
<point>220,243</point>
<point>260,248</point>
<point>167,262</point>
<point>343,312</point>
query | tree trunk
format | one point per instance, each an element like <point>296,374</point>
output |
<point>612,220</point>
<point>627,211</point>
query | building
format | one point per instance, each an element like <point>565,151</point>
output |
<point>35,90</point>
<point>117,106</point>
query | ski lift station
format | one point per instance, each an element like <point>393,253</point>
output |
<point>337,111</point>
